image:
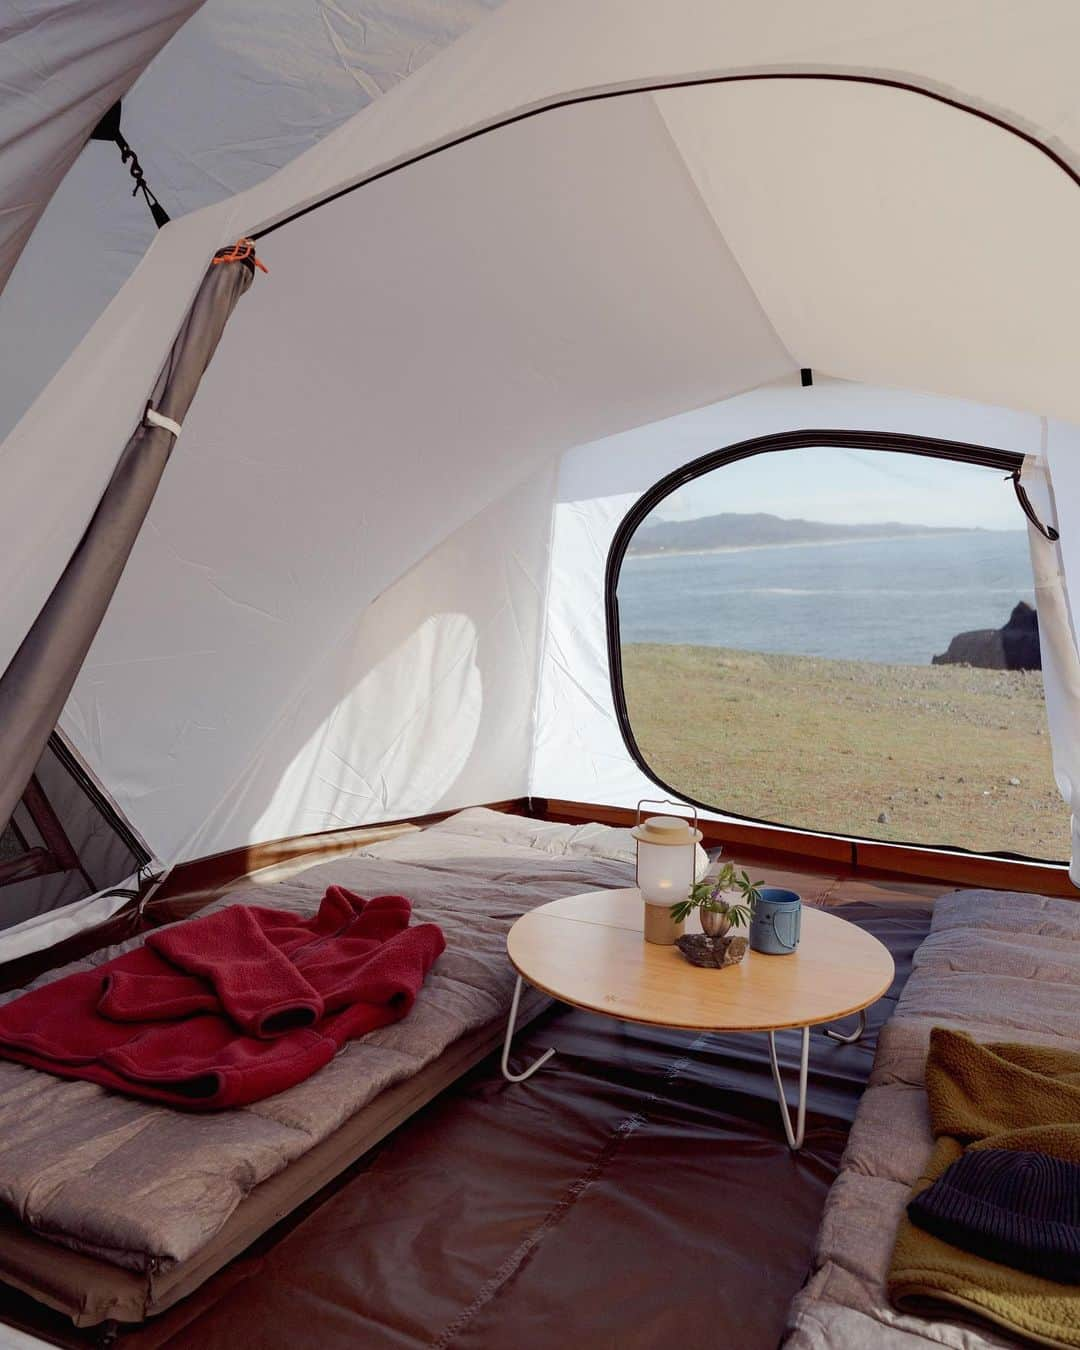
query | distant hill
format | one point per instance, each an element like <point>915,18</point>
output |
<point>735,530</point>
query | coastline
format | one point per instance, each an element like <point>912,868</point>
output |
<point>806,543</point>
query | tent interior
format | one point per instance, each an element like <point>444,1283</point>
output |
<point>625,412</point>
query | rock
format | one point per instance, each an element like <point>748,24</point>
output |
<point>1012,647</point>
<point>1021,638</point>
<point>714,953</point>
<point>1014,782</point>
<point>982,647</point>
<point>883,818</point>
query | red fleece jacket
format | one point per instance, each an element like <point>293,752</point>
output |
<point>228,1009</point>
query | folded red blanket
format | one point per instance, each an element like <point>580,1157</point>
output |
<point>231,1008</point>
<point>233,963</point>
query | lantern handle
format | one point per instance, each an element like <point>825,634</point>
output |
<point>670,801</point>
<point>665,801</point>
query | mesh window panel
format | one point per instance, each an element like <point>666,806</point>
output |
<point>63,842</point>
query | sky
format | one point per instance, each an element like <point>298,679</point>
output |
<point>853,487</point>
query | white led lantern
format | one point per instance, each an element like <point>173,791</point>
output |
<point>666,869</point>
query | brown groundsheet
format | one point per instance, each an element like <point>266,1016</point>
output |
<point>637,1193</point>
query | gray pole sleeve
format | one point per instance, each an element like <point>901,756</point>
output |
<point>36,684</point>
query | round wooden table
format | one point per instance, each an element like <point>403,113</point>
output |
<point>588,950</point>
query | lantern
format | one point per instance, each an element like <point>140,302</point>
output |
<point>666,871</point>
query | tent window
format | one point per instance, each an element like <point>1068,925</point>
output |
<point>839,639</point>
<point>62,843</point>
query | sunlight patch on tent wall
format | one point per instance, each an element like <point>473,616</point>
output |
<point>396,743</point>
<point>841,640</point>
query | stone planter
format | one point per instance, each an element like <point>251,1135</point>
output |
<point>714,953</point>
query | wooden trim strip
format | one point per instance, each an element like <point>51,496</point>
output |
<point>752,840</point>
<point>848,857</point>
<point>192,885</point>
<point>203,878</point>
<point>196,883</point>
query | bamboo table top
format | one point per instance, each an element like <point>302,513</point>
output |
<point>588,950</point>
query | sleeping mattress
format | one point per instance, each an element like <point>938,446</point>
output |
<point>116,1207</point>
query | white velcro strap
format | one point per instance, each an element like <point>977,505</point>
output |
<point>156,419</point>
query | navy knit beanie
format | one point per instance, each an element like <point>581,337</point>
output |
<point>1020,1209</point>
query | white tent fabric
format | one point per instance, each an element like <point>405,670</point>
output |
<point>1058,498</point>
<point>47,929</point>
<point>283,595</point>
<point>63,65</point>
<point>240,90</point>
<point>366,587</point>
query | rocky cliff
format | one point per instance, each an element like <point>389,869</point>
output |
<point>1013,647</point>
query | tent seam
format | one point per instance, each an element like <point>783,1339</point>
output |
<point>695,187</point>
<point>545,628</point>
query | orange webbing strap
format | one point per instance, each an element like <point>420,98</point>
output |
<point>242,251</point>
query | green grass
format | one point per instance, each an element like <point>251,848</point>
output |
<point>833,745</point>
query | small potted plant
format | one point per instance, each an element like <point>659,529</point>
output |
<point>723,902</point>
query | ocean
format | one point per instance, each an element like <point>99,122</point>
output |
<point>897,601</point>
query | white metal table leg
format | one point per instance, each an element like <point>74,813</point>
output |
<point>518,1077</point>
<point>794,1137</point>
<point>854,1036</point>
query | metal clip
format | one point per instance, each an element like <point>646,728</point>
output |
<point>1047,531</point>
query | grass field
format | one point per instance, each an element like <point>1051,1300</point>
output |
<point>924,754</point>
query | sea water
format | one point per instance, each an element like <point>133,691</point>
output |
<point>898,601</point>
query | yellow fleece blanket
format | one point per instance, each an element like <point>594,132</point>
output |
<point>991,1096</point>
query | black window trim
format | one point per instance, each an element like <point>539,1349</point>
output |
<point>1008,461</point>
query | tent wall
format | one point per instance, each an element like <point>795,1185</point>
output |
<point>314,470</point>
<point>525,56</point>
<point>39,678</point>
<point>424,705</point>
<point>428,344</point>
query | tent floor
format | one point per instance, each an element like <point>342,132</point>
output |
<point>637,1192</point>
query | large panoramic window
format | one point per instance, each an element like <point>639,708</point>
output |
<point>843,640</point>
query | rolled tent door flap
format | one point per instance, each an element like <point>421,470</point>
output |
<point>1057,638</point>
<point>36,683</point>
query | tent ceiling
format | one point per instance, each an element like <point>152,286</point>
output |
<point>893,239</point>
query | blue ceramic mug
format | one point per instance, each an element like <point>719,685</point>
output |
<point>777,922</point>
